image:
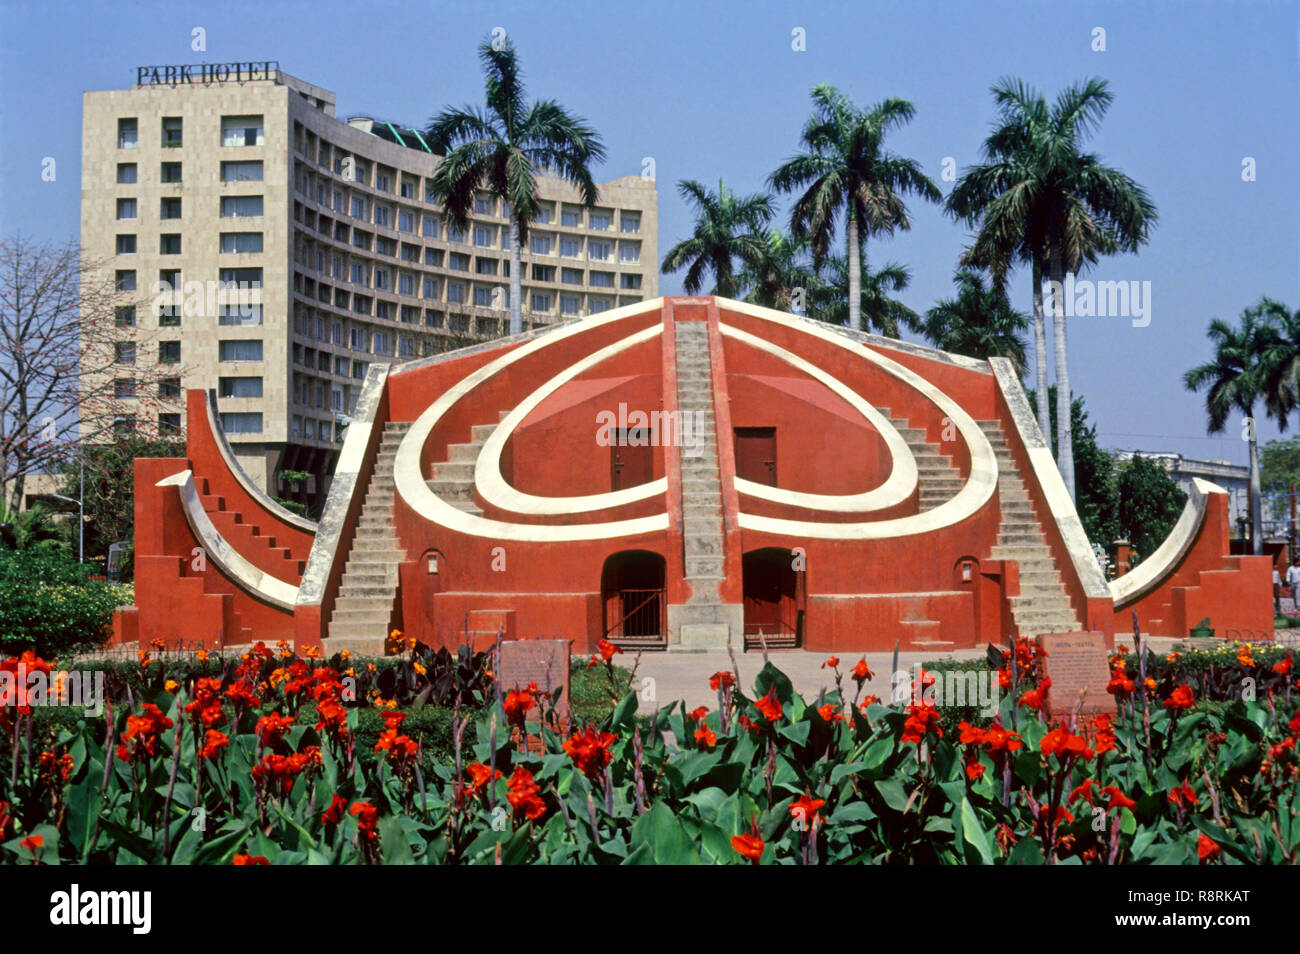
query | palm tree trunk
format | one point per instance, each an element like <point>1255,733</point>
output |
<point>516,293</point>
<point>1040,356</point>
<point>1064,436</point>
<point>855,270</point>
<point>1256,501</point>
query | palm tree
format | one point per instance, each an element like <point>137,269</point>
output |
<point>877,310</point>
<point>1233,380</point>
<point>727,227</point>
<point>979,322</point>
<point>1280,359</point>
<point>32,529</point>
<point>503,149</point>
<point>847,170</point>
<point>783,270</point>
<point>1038,199</point>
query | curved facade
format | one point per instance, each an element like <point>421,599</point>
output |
<point>696,473</point>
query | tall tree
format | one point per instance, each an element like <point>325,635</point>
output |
<point>503,149</point>
<point>1233,380</point>
<point>783,278</point>
<point>728,228</point>
<point>1038,198</point>
<point>846,170</point>
<point>878,310</point>
<point>979,322</point>
<point>1149,503</point>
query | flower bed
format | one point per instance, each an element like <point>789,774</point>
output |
<point>230,768</point>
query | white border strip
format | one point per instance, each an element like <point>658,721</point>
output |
<point>1155,569</point>
<point>232,564</point>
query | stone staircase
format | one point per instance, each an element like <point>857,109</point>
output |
<point>364,606</point>
<point>938,480</point>
<point>1043,605</point>
<point>453,479</point>
<point>705,621</point>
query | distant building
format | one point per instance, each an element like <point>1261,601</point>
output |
<point>1233,478</point>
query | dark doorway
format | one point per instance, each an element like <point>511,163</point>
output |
<point>756,454</point>
<point>632,459</point>
<point>632,588</point>
<point>771,593</point>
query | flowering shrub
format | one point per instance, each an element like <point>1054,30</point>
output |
<point>225,770</point>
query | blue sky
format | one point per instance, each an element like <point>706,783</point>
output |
<point>715,89</point>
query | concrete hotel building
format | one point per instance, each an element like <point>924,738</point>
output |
<point>240,174</point>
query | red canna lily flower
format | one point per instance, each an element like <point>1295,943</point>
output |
<point>832,662</point>
<point>699,713</point>
<point>214,742</point>
<point>1184,796</point>
<point>867,703</point>
<point>920,721</point>
<point>1180,699</point>
<point>524,795</point>
<point>517,703</point>
<point>745,722</point>
<point>1117,799</point>
<point>974,767</point>
<point>770,706</point>
<point>1065,745</point>
<point>590,750</point>
<point>479,777</point>
<point>31,843</point>
<point>1084,791</point>
<point>334,814</point>
<point>748,846</point>
<point>1120,686</point>
<point>969,734</point>
<point>999,741</point>
<point>1284,666</point>
<point>1105,735</point>
<point>250,860</point>
<point>367,817</point>
<point>805,808</point>
<point>1207,849</point>
<point>831,713</point>
<point>271,728</point>
<point>1037,698</point>
<point>861,672</point>
<point>607,649</point>
<point>721,680</point>
<point>706,736</point>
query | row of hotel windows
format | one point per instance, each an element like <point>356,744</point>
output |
<point>128,173</point>
<point>235,131</point>
<point>169,243</point>
<point>169,389</point>
<point>169,207</point>
<point>169,352</point>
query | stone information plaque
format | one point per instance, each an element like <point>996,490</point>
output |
<point>1077,665</point>
<point>543,661</point>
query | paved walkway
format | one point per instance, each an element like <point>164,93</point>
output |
<point>686,675</point>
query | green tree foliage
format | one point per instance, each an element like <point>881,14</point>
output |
<point>1149,503</point>
<point>47,603</point>
<point>1094,470</point>
<point>1279,468</point>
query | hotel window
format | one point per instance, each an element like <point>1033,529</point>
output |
<point>358,340</point>
<point>410,314</point>
<point>381,279</point>
<point>169,243</point>
<point>169,316</point>
<point>484,236</point>
<point>341,367</point>
<point>384,216</point>
<point>630,222</point>
<point>238,350</point>
<point>358,207</point>
<point>433,319</point>
<point>455,234</point>
<point>239,315</point>
<point>405,221</point>
<point>431,289</point>
<point>570,304</point>
<point>571,276</point>
<point>540,244</point>
<point>241,206</point>
<point>599,304</point>
<point>483,296</point>
<point>599,251</point>
<point>458,262</point>
<point>600,221</point>
<point>630,282</point>
<point>602,279</point>
<point>543,273</point>
<point>483,205</point>
<point>169,352</point>
<point>124,279</point>
<point>485,266</point>
<point>431,226</point>
<point>169,424</point>
<point>381,182</point>
<point>406,284</point>
<point>124,388</point>
<point>128,134</point>
<point>126,173</point>
<point>629,252</point>
<point>433,256</point>
<point>243,422</point>
<point>125,244</point>
<point>126,208</point>
<point>241,131</point>
<point>169,208</point>
<point>359,369</point>
<point>241,242</point>
<point>380,342</point>
<point>357,274</point>
<point>360,239</point>
<point>540,302</point>
<point>456,292</point>
<point>239,387</point>
<point>124,316</point>
<point>169,279</point>
<point>571,218</point>
<point>410,253</point>
<point>123,426</point>
<point>171,132</point>
<point>406,347</point>
<point>124,352</point>
<point>571,247</point>
<point>336,201</point>
<point>336,398</point>
<point>385,246</point>
<point>169,389</point>
<point>408,189</point>
<point>241,171</point>
<point>545,215</point>
<point>241,277</point>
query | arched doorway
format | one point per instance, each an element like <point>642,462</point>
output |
<point>772,598</point>
<point>632,590</point>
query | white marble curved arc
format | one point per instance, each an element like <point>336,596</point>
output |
<point>903,474</point>
<point>974,494</point>
<point>409,478</point>
<point>1155,569</point>
<point>494,489</point>
<point>232,564</point>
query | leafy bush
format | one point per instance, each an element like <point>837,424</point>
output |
<point>47,603</point>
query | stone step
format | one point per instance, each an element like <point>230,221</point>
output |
<point>356,640</point>
<point>481,432</point>
<point>352,589</point>
<point>698,566</point>
<point>463,452</point>
<point>452,489</point>
<point>453,470</point>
